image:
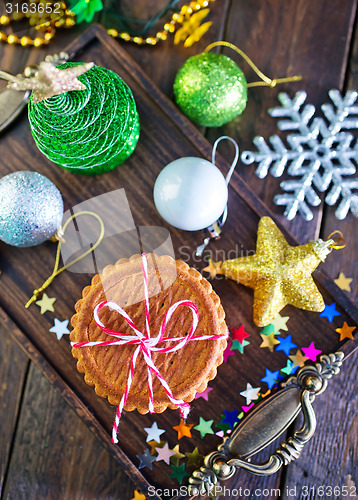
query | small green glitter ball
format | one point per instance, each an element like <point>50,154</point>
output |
<point>88,131</point>
<point>210,89</point>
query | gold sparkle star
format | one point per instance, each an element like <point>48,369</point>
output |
<point>177,455</point>
<point>213,268</point>
<point>138,496</point>
<point>154,445</point>
<point>343,282</point>
<point>346,332</point>
<point>194,458</point>
<point>298,359</point>
<point>46,303</point>
<point>278,273</point>
<point>269,341</point>
<point>50,81</point>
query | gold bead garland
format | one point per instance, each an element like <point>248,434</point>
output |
<point>46,24</point>
<point>43,22</point>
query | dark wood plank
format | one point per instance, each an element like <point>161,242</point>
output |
<point>13,370</point>
<point>55,456</point>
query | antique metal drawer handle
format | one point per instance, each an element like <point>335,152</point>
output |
<point>264,424</point>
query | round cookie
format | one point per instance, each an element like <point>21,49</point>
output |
<point>187,370</point>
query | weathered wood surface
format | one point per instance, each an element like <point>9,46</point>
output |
<point>312,39</point>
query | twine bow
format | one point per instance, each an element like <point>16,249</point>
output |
<point>147,345</point>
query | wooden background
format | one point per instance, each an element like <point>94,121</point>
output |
<point>46,451</point>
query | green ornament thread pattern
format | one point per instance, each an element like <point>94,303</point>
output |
<point>90,131</point>
<point>210,89</point>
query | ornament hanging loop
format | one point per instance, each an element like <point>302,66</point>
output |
<point>339,242</point>
<point>214,231</point>
<point>266,81</point>
<point>56,271</point>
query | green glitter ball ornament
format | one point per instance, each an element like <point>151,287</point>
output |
<point>89,131</point>
<point>210,89</point>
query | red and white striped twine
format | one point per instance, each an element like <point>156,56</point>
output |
<point>147,344</point>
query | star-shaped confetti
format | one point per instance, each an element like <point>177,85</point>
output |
<point>289,368</point>
<point>175,459</point>
<point>183,429</point>
<point>223,426</point>
<point>239,334</point>
<point>138,496</point>
<point>251,393</point>
<point>270,378</point>
<point>279,323</point>
<point>269,341</point>
<point>179,473</point>
<point>85,9</point>
<point>230,418</point>
<point>343,282</point>
<point>204,427</point>
<point>60,328</point>
<point>330,312</point>
<point>213,268</point>
<point>286,345</point>
<point>153,432</point>
<point>311,352</point>
<point>50,81</point>
<point>346,332</point>
<point>298,359</point>
<point>204,394</point>
<point>194,458</point>
<point>228,352</point>
<point>146,460</point>
<point>46,303</point>
<point>236,345</point>
<point>268,329</point>
<point>154,445</point>
<point>164,454</point>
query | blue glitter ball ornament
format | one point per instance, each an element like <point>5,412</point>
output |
<point>31,209</point>
<point>87,131</point>
<point>210,89</point>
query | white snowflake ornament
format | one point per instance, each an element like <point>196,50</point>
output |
<point>321,155</point>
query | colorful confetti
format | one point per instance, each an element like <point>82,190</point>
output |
<point>251,393</point>
<point>298,359</point>
<point>60,328</point>
<point>270,378</point>
<point>269,341</point>
<point>154,433</point>
<point>146,460</point>
<point>164,454</point>
<point>179,473</point>
<point>286,345</point>
<point>346,332</point>
<point>213,268</point>
<point>204,394</point>
<point>311,352</point>
<point>194,458</point>
<point>279,323</point>
<point>343,282</point>
<point>236,345</point>
<point>239,334</point>
<point>204,427</point>
<point>183,429</point>
<point>230,418</point>
<point>175,459</point>
<point>330,312</point>
<point>46,303</point>
<point>228,352</point>
<point>138,495</point>
<point>289,368</point>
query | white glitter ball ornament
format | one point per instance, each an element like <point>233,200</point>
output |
<point>190,193</point>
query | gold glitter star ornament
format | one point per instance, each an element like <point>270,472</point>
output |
<point>279,273</point>
<point>50,81</point>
